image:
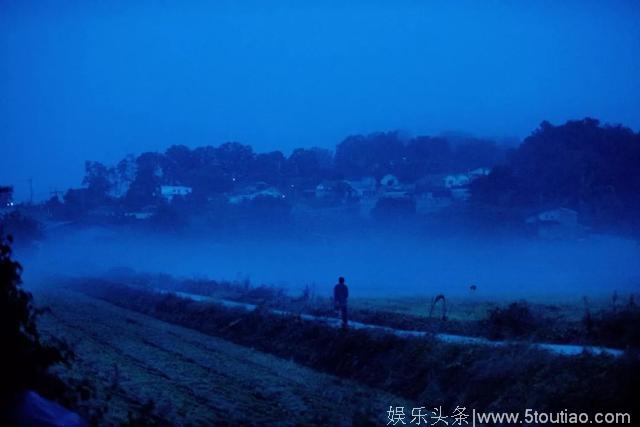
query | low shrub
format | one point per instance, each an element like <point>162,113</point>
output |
<point>26,358</point>
<point>618,326</point>
<point>514,321</point>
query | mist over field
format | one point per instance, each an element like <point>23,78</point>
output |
<point>377,264</point>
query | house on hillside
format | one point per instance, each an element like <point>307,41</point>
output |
<point>249,194</point>
<point>478,172</point>
<point>142,213</point>
<point>337,191</point>
<point>389,181</point>
<point>556,223</point>
<point>561,216</point>
<point>431,194</point>
<point>464,179</point>
<point>365,188</point>
<point>456,180</point>
<point>168,192</point>
<point>459,183</point>
<point>391,187</point>
<point>301,188</point>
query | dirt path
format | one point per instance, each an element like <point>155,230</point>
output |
<point>195,378</point>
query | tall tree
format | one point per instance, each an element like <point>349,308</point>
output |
<point>235,160</point>
<point>269,167</point>
<point>312,163</point>
<point>144,189</point>
<point>425,155</point>
<point>373,155</point>
<point>580,165</point>
<point>99,180</point>
<point>178,162</point>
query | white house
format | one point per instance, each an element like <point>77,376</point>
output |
<point>267,192</point>
<point>139,215</point>
<point>389,181</point>
<point>143,213</point>
<point>336,190</point>
<point>562,216</point>
<point>390,187</point>
<point>477,173</point>
<point>171,191</point>
<point>365,187</point>
<point>558,223</point>
<point>464,179</point>
<point>456,180</point>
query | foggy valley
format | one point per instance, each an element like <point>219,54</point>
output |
<point>377,262</point>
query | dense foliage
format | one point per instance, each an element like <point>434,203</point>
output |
<point>211,171</point>
<point>581,165</point>
<point>25,228</point>
<point>26,358</point>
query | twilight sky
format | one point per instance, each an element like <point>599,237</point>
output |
<point>99,79</point>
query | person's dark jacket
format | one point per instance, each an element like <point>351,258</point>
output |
<point>340,293</point>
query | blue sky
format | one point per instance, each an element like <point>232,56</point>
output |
<point>100,79</point>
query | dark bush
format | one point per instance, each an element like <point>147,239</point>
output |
<point>26,359</point>
<point>24,228</point>
<point>618,327</point>
<point>514,321</point>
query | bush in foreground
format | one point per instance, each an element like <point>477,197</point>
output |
<point>26,359</point>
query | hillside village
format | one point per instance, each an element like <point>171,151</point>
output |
<point>424,196</point>
<point>382,177</point>
<point>375,175</point>
<point>366,197</point>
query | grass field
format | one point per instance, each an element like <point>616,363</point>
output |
<point>476,307</point>
<point>602,320</point>
<point>192,378</point>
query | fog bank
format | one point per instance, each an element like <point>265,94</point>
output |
<point>376,264</point>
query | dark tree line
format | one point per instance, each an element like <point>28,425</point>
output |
<point>382,153</point>
<point>581,165</point>
<point>211,171</point>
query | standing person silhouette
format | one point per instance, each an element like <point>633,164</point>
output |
<point>340,296</point>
